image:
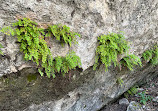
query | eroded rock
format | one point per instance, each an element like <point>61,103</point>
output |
<point>90,18</point>
<point>134,106</point>
<point>123,101</point>
<point>138,19</point>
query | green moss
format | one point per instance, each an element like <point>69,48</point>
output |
<point>31,77</point>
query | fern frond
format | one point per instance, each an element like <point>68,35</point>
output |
<point>151,55</point>
<point>147,55</point>
<point>1,53</point>
<point>62,33</point>
<point>154,60</point>
<point>35,48</point>
<point>130,61</point>
<point>110,46</point>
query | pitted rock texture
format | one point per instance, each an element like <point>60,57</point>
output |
<point>134,106</point>
<point>90,18</point>
<point>93,94</point>
<point>83,91</point>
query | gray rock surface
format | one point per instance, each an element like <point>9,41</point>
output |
<point>138,19</point>
<point>90,18</point>
<point>155,99</point>
<point>134,106</point>
<point>123,101</point>
<point>97,91</point>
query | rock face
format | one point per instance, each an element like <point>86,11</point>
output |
<point>88,91</point>
<point>97,92</point>
<point>134,106</point>
<point>90,18</point>
<point>138,19</point>
<point>123,101</point>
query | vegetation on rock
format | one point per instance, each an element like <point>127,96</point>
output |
<point>130,61</point>
<point>1,53</point>
<point>132,91</point>
<point>151,55</point>
<point>32,43</point>
<point>110,47</point>
<point>61,64</point>
<point>62,33</point>
<point>120,81</point>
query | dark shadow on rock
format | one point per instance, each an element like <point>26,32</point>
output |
<point>20,90</point>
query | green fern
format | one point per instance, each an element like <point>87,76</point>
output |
<point>120,81</point>
<point>7,31</point>
<point>71,61</point>
<point>132,91</point>
<point>61,64</point>
<point>110,46</point>
<point>147,55</point>
<point>130,61</point>
<point>1,53</point>
<point>33,45</point>
<point>151,55</point>
<point>154,59</point>
<point>62,33</point>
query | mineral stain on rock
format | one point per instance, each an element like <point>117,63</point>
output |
<point>20,90</point>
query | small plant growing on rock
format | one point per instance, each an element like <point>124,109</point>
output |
<point>120,81</point>
<point>61,64</point>
<point>32,43</point>
<point>110,47</point>
<point>1,53</point>
<point>62,33</point>
<point>151,55</point>
<point>132,91</point>
<point>147,55</point>
<point>130,61</point>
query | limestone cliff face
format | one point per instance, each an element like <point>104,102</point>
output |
<point>90,18</point>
